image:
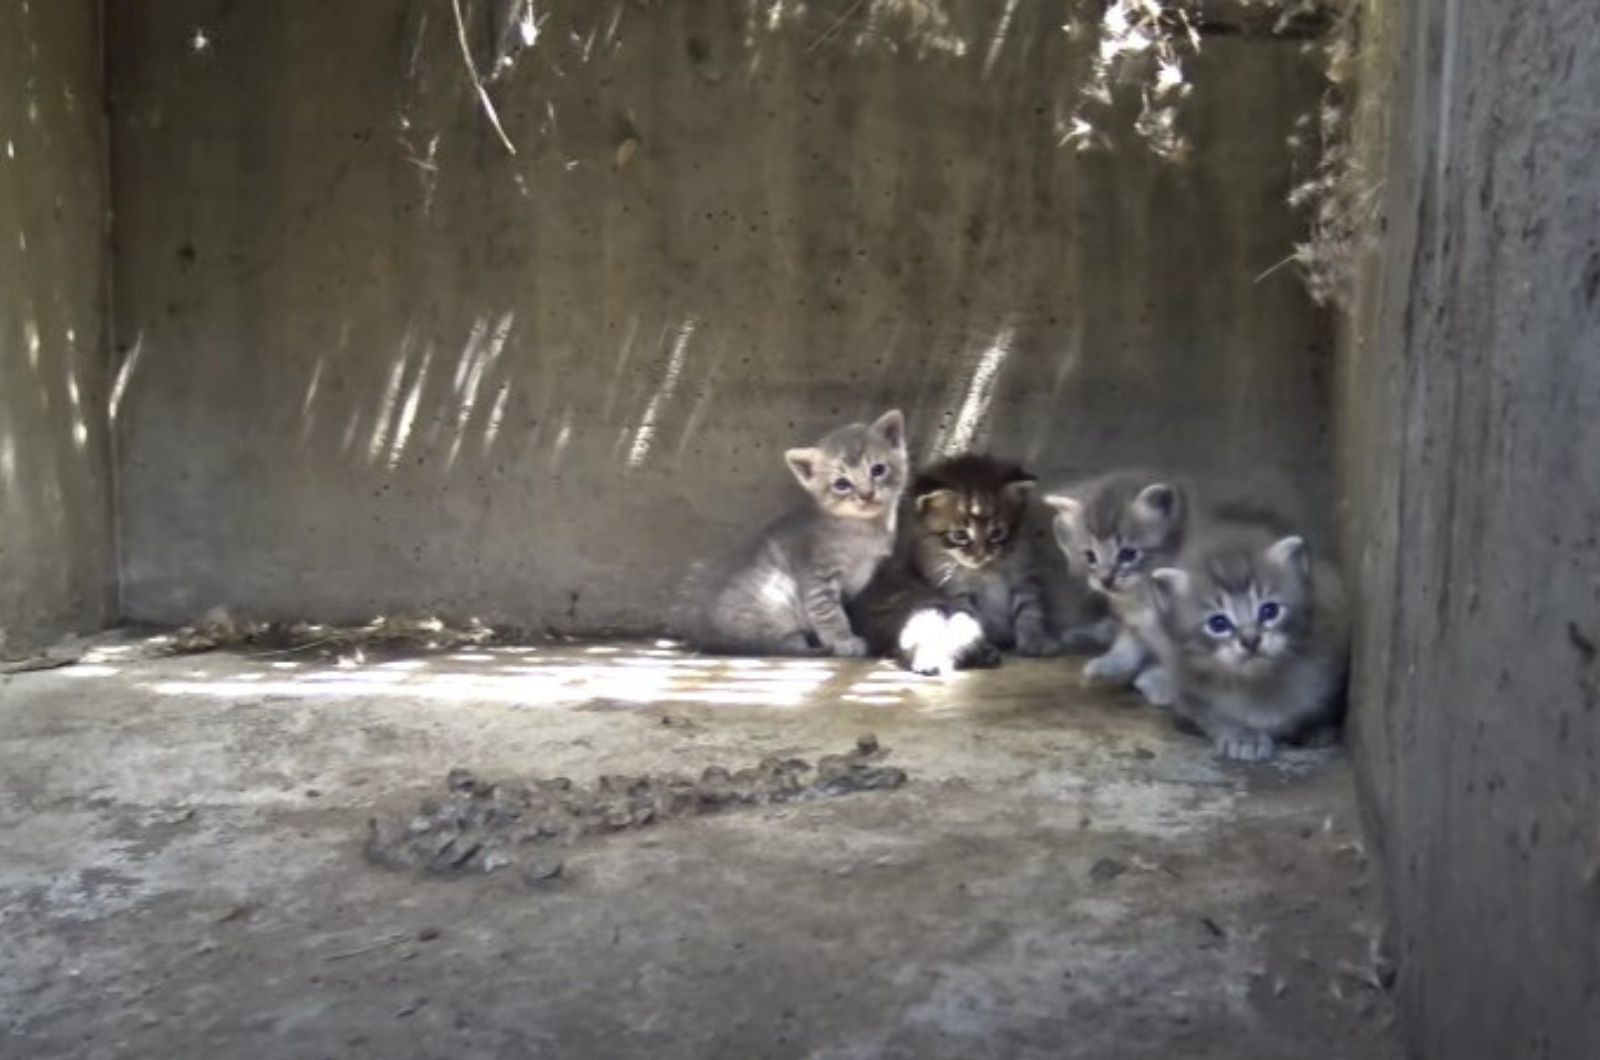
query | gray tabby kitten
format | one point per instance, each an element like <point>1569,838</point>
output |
<point>788,596</point>
<point>1257,640</point>
<point>968,545</point>
<point>1114,531</point>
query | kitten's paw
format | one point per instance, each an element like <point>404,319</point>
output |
<point>1155,685</point>
<point>1245,745</point>
<point>849,648</point>
<point>1106,670</point>
<point>980,655</point>
<point>929,662</point>
<point>1037,646</point>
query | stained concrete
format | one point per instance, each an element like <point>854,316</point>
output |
<point>377,362</point>
<point>1471,403</point>
<point>56,563</point>
<point>1062,875</point>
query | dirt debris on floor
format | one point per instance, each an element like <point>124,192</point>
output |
<point>182,870</point>
<point>477,826</point>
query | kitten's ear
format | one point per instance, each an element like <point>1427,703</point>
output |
<point>1063,534</point>
<point>931,498</point>
<point>892,427</point>
<point>1065,506</point>
<point>1160,498</point>
<point>1019,489</point>
<point>805,464</point>
<point>1168,583</point>
<point>1291,554</point>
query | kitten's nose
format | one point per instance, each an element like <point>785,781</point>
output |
<point>866,495</point>
<point>1251,639</point>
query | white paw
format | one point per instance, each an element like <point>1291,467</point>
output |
<point>931,662</point>
<point>1245,745</point>
<point>1155,685</point>
<point>849,648</point>
<point>1106,670</point>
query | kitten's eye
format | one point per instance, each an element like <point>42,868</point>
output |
<point>998,534</point>
<point>959,537</point>
<point>1127,555</point>
<point>842,485</point>
<point>1269,612</point>
<point>1219,625</point>
<point>879,470</point>
<point>1091,557</point>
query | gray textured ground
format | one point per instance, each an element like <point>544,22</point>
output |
<point>181,869</point>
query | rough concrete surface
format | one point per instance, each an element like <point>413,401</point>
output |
<point>1062,874</point>
<point>1471,442</point>
<point>377,362</point>
<point>56,563</point>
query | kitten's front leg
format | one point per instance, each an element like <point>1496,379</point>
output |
<point>1119,665</point>
<point>1155,685</point>
<point>1028,620</point>
<point>824,606</point>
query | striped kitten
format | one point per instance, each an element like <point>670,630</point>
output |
<point>1257,639</point>
<point>1115,530</point>
<point>788,596</point>
<point>968,544</point>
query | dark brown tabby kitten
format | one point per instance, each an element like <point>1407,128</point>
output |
<point>968,545</point>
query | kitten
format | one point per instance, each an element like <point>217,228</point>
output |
<point>1257,639</point>
<point>1114,531</point>
<point>788,596</point>
<point>968,545</point>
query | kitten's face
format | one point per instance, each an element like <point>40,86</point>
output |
<point>1117,540</point>
<point>974,527</point>
<point>1239,612</point>
<point>858,471</point>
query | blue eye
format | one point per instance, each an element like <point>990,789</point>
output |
<point>879,470</point>
<point>1219,625</point>
<point>1269,612</point>
<point>842,485</point>
<point>1126,556</point>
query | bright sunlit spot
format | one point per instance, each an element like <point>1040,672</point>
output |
<point>504,677</point>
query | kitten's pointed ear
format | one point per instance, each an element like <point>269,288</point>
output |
<point>1063,535</point>
<point>1160,498</point>
<point>805,464</point>
<point>931,498</point>
<point>1168,583</point>
<point>892,427</point>
<point>1065,506</point>
<point>1291,554</point>
<point>1019,489</point>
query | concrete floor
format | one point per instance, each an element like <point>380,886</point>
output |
<point>1064,875</point>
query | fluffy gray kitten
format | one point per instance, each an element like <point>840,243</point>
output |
<point>967,543</point>
<point>1257,639</point>
<point>788,596</point>
<point>1115,530</point>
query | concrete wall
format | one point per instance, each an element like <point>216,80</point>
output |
<point>381,363</point>
<point>56,567</point>
<point>1471,392</point>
